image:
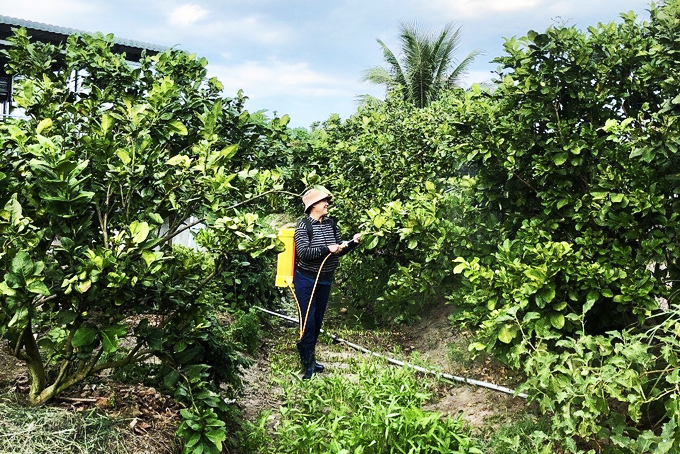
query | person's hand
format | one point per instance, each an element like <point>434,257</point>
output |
<point>357,237</point>
<point>335,248</point>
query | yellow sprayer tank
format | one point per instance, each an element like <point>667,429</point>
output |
<point>285,264</point>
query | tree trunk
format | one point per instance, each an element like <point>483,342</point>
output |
<point>36,369</point>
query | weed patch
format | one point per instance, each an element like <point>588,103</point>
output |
<point>372,409</point>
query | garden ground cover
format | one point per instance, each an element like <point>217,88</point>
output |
<point>143,420</point>
<point>430,343</point>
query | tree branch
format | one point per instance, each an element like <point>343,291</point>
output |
<point>525,182</point>
<point>43,299</point>
<point>130,358</point>
<point>168,236</point>
<point>271,191</point>
<point>17,348</point>
<point>102,225</point>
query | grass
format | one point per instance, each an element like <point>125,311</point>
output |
<point>372,408</point>
<point>25,430</point>
<point>525,435</point>
<point>359,405</point>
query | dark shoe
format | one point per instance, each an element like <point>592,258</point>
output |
<point>309,373</point>
<point>307,358</point>
<point>318,368</point>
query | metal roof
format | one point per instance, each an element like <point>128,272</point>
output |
<point>56,35</point>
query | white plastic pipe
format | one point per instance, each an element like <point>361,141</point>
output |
<point>469,381</point>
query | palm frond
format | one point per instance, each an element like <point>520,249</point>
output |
<point>377,75</point>
<point>368,101</point>
<point>393,62</point>
<point>454,77</point>
<point>426,65</point>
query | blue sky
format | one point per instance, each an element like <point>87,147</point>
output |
<point>303,57</point>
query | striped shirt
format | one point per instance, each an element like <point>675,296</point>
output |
<point>310,254</point>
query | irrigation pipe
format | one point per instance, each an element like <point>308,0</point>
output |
<point>469,381</point>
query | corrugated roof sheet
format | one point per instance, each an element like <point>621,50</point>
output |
<point>56,33</point>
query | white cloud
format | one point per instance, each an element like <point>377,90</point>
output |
<point>188,14</point>
<point>64,13</point>
<point>222,36</point>
<point>253,28</point>
<point>469,9</point>
<point>278,78</point>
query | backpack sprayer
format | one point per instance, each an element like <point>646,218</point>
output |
<point>285,261</point>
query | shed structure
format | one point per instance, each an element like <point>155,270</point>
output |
<point>54,34</point>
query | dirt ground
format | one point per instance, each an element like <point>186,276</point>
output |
<point>148,418</point>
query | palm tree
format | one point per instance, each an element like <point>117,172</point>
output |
<point>426,67</point>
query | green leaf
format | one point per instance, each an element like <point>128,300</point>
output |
<point>171,378</point>
<point>561,203</point>
<point>179,160</point>
<point>535,274</point>
<point>140,231</point>
<point>229,151</point>
<point>84,286</point>
<point>560,306</point>
<point>531,316</point>
<point>22,266</point>
<point>560,158</point>
<point>149,257</point>
<point>547,293</point>
<point>20,318</point>
<point>593,295</point>
<point>616,197</point>
<point>507,334</point>
<point>156,218</point>
<point>557,321</point>
<point>177,127</point>
<point>6,290</point>
<point>109,343</point>
<point>476,346</point>
<point>217,436</point>
<point>110,337</point>
<point>38,287</point>
<point>83,336</point>
<point>13,208</point>
<point>374,243</point>
<point>44,125</point>
<point>124,155</point>
<point>107,122</point>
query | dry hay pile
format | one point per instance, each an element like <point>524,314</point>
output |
<point>51,430</point>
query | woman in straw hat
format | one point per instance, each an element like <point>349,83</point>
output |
<point>318,248</point>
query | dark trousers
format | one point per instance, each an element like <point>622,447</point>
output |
<point>314,316</point>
